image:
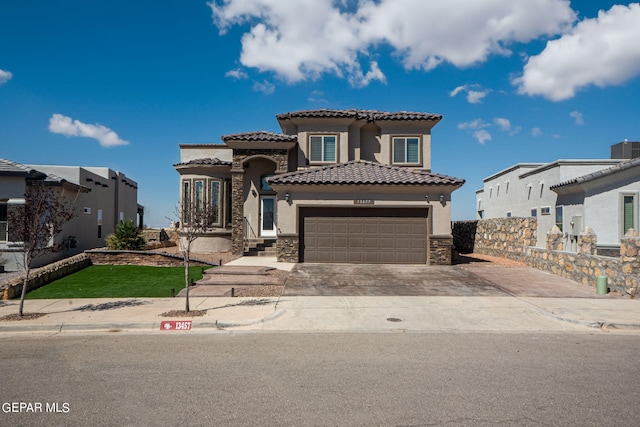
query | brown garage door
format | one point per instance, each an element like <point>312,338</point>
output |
<point>364,236</point>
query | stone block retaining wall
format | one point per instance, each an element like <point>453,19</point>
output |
<point>12,287</point>
<point>514,238</point>
<point>156,259</point>
<point>41,276</point>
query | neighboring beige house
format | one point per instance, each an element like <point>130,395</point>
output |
<point>102,198</point>
<point>335,186</point>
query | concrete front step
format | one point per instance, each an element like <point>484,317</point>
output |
<point>212,291</point>
<point>239,280</point>
<point>238,270</point>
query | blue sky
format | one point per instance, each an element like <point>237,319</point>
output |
<point>122,83</point>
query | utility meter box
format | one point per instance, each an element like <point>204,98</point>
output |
<point>576,225</point>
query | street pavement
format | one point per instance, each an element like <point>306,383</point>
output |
<point>524,300</point>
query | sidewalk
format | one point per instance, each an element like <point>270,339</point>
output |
<point>332,314</point>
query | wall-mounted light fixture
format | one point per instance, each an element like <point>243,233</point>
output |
<point>287,196</point>
<point>442,198</point>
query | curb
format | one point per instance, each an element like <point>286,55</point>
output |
<point>151,326</point>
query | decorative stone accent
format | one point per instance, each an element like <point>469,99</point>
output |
<point>440,250</point>
<point>237,213</point>
<point>587,241</point>
<point>288,249</point>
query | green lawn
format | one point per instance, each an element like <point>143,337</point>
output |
<point>117,281</point>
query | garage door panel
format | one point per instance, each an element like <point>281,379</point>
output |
<point>364,235</point>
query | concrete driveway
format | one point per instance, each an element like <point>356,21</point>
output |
<point>473,278</point>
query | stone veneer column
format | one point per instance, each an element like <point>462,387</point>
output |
<point>440,248</point>
<point>630,259</point>
<point>587,241</point>
<point>288,248</point>
<point>237,212</point>
<point>554,239</point>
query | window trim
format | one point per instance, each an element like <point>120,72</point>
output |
<point>406,162</point>
<point>322,149</point>
<point>545,210</point>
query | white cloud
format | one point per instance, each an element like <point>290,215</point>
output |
<point>473,96</point>
<point>577,116</point>
<point>475,124</point>
<point>458,90</point>
<point>317,96</point>
<point>476,129</point>
<point>5,76</point>
<point>264,87</point>
<point>482,136</point>
<point>237,74</point>
<point>599,51</point>
<point>66,126</point>
<point>303,39</point>
<point>505,125</point>
<point>536,132</point>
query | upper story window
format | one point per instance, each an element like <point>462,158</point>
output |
<point>406,150</point>
<point>322,148</point>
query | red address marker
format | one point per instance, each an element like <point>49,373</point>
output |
<point>175,325</point>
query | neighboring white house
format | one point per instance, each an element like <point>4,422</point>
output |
<point>524,190</point>
<point>102,198</point>
<point>607,201</point>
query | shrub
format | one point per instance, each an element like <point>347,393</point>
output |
<point>126,236</point>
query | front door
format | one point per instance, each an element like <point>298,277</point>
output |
<point>268,216</point>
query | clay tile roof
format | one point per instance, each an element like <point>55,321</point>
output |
<point>7,167</point>
<point>260,136</point>
<point>628,164</point>
<point>364,172</point>
<point>370,115</point>
<point>205,162</point>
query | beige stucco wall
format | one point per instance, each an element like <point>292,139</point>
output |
<point>344,196</point>
<point>361,140</point>
<point>190,152</point>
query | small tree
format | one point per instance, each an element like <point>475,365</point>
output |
<point>126,236</point>
<point>36,224</point>
<point>195,222</point>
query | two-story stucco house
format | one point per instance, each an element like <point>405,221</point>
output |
<point>101,197</point>
<point>335,186</point>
